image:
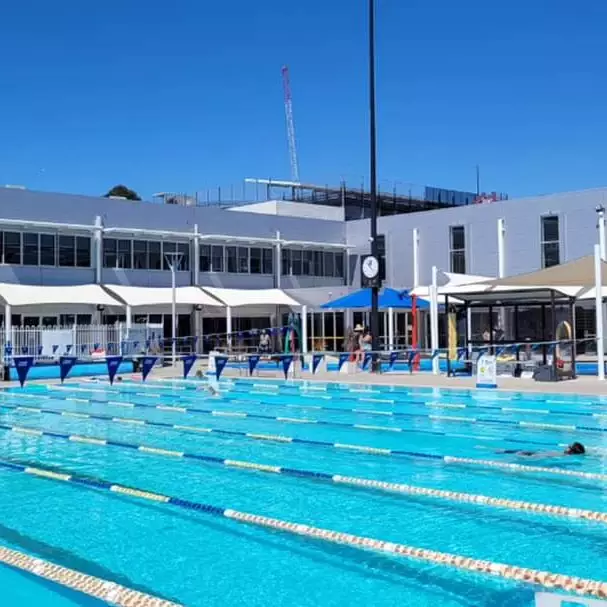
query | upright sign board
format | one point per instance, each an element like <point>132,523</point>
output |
<point>486,372</point>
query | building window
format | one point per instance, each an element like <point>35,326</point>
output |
<point>217,263</point>
<point>268,261</point>
<point>285,260</point>
<point>11,250</point>
<point>296,264</point>
<point>243,260</point>
<point>308,263</point>
<point>255,260</point>
<point>155,255</point>
<point>83,251</point>
<point>339,265</point>
<point>124,254</point>
<point>204,261</point>
<point>48,254</point>
<point>30,249</point>
<point>551,254</point>
<point>329,263</point>
<point>457,251</point>
<point>318,263</point>
<point>168,249</point>
<point>184,261</point>
<point>232,259</point>
<point>67,246</point>
<point>140,255</point>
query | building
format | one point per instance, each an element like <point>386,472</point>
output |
<point>307,249</point>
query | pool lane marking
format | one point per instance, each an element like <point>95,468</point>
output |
<point>367,449</point>
<point>300,420</point>
<point>534,577</point>
<point>372,412</point>
<point>339,479</point>
<point>108,592</point>
<point>432,417</point>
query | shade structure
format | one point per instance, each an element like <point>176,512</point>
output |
<point>40,295</point>
<point>235,298</point>
<point>162,296</point>
<point>388,298</point>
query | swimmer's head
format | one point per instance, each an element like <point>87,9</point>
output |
<point>119,378</point>
<point>575,449</point>
<point>199,373</point>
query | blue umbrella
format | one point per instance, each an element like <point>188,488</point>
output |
<point>388,298</point>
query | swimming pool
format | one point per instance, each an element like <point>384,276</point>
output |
<point>310,439</point>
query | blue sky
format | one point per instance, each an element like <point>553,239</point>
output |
<point>187,95</point>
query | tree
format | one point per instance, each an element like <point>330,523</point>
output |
<point>122,191</point>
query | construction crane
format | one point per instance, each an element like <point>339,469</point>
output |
<point>290,124</point>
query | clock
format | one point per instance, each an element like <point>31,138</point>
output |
<point>370,267</point>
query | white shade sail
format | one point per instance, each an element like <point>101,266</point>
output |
<point>157,296</point>
<point>252,297</point>
<point>37,295</point>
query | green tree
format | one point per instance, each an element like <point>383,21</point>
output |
<point>123,192</point>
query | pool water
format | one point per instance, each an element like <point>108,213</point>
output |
<point>195,559</point>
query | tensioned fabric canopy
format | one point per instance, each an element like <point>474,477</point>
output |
<point>154,296</point>
<point>38,295</point>
<point>235,298</point>
<point>388,298</point>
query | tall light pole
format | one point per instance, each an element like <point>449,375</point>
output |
<point>173,259</point>
<point>374,320</point>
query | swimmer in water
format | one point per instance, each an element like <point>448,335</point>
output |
<point>573,449</point>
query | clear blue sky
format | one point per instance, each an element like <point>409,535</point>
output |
<point>187,95</point>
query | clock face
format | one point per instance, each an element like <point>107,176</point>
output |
<point>370,267</point>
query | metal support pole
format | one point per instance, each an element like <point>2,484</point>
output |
<point>229,328</point>
<point>196,254</point>
<point>98,248</point>
<point>390,329</point>
<point>598,286</point>
<point>304,329</point>
<point>415,258</point>
<point>374,325</point>
<point>173,259</point>
<point>278,264</point>
<point>434,320</point>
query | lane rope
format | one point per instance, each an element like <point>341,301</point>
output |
<point>109,592</point>
<point>427,457</point>
<point>534,577</point>
<point>383,486</point>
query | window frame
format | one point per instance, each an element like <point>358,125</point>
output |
<point>457,254</point>
<point>554,243</point>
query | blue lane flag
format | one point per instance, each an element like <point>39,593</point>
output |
<point>65,365</point>
<point>24,349</point>
<point>188,363</point>
<point>220,364</point>
<point>113,364</point>
<point>286,364</point>
<point>82,348</point>
<point>40,348</point>
<point>147,363</point>
<point>23,364</point>
<point>55,348</point>
<point>461,353</point>
<point>343,357</point>
<point>393,357</point>
<point>68,348</point>
<point>95,346</point>
<point>8,349</point>
<point>253,360</point>
<point>316,360</point>
<point>147,344</point>
<point>367,359</point>
<point>411,357</point>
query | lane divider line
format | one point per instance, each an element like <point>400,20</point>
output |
<point>533,577</point>
<point>110,592</point>
<point>432,417</point>
<point>383,486</point>
<point>367,449</point>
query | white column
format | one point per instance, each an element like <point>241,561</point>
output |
<point>196,253</point>
<point>198,330</point>
<point>434,320</point>
<point>304,329</point>
<point>415,257</point>
<point>129,318</point>
<point>312,330</point>
<point>501,248</point>
<point>601,228</point>
<point>98,248</point>
<point>173,313</point>
<point>229,327</point>
<point>390,329</point>
<point>8,326</point>
<point>469,324</point>
<point>278,264</point>
<point>322,330</point>
<point>598,285</point>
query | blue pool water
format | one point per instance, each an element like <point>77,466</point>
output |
<point>195,559</point>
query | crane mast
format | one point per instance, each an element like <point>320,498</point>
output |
<point>290,124</point>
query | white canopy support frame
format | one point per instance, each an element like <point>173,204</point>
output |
<point>35,295</point>
<point>235,298</point>
<point>162,296</point>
